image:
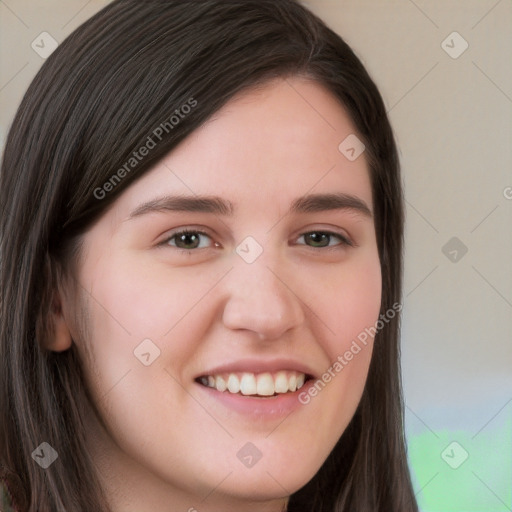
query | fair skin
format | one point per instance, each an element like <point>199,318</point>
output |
<point>166,441</point>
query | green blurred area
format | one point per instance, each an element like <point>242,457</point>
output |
<point>460,471</point>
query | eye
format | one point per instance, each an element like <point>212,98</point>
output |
<point>190,239</point>
<point>186,240</point>
<point>321,239</point>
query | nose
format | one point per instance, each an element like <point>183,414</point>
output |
<point>262,298</point>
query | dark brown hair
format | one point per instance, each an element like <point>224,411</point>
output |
<point>96,99</point>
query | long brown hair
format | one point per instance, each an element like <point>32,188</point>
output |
<point>96,99</point>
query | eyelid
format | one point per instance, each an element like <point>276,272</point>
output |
<point>344,240</point>
<point>336,231</point>
<point>181,231</point>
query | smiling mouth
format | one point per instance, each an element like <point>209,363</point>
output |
<point>256,384</point>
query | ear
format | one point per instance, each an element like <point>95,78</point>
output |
<point>60,339</point>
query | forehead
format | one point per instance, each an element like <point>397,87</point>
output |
<point>268,146</point>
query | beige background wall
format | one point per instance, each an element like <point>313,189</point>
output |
<point>452,115</point>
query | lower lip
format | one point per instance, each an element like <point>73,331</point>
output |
<point>265,408</point>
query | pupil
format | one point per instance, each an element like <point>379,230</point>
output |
<point>315,237</point>
<point>185,236</point>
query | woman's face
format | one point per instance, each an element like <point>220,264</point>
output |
<point>257,296</point>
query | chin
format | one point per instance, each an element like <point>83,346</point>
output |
<point>266,480</point>
<point>264,487</point>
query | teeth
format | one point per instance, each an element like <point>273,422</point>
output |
<point>220,383</point>
<point>265,385</point>
<point>233,383</point>
<point>248,384</point>
<point>281,382</point>
<point>262,384</point>
<point>292,383</point>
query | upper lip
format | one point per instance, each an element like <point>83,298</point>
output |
<point>259,366</point>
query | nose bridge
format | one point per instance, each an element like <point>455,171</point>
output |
<point>260,298</point>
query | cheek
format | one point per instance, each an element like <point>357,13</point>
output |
<point>354,319</point>
<point>359,301</point>
<point>350,308</point>
<point>134,302</point>
<point>149,299</point>
<point>130,305</point>
<point>350,303</point>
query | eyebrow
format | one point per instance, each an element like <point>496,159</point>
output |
<point>216,205</point>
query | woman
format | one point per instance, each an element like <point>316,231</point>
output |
<point>175,332</point>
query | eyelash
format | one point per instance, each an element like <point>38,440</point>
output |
<point>344,241</point>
